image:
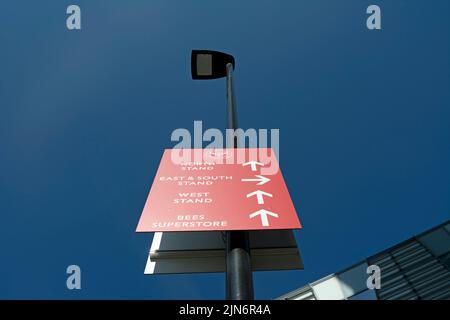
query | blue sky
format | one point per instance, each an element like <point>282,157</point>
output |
<point>85,115</point>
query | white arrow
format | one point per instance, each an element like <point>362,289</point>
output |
<point>252,164</point>
<point>259,195</point>
<point>261,180</point>
<point>263,213</point>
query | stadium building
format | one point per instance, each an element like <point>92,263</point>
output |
<point>416,269</point>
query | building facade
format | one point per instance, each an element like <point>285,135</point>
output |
<point>416,269</point>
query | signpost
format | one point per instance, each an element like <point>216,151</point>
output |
<point>218,194</point>
<point>211,195</point>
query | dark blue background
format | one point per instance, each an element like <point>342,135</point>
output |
<point>363,115</point>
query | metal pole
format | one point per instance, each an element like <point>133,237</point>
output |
<point>231,102</point>
<point>239,281</point>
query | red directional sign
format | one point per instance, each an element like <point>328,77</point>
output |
<point>218,189</point>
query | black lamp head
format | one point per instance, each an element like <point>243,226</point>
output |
<point>208,64</point>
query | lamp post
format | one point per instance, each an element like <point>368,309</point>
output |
<point>205,65</point>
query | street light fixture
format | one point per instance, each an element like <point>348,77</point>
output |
<point>205,65</point>
<point>208,64</point>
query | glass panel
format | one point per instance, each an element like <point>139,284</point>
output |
<point>437,241</point>
<point>365,295</point>
<point>354,280</point>
<point>304,296</point>
<point>447,227</point>
<point>329,289</point>
<point>446,260</point>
